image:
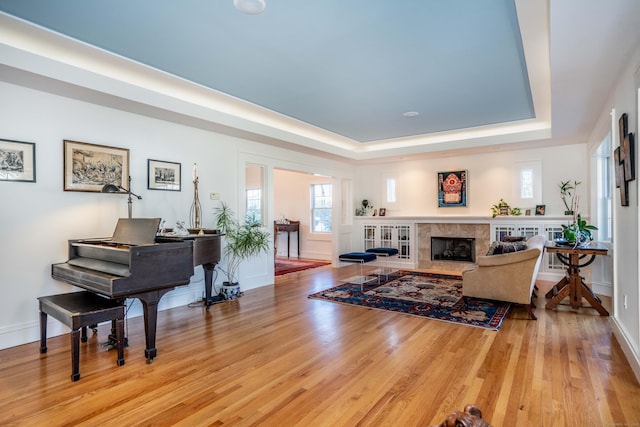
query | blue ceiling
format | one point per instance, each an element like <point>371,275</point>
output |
<point>350,67</point>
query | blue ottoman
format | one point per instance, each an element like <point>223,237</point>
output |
<point>386,253</point>
<point>361,258</point>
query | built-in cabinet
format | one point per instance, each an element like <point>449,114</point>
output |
<point>389,234</point>
<point>402,233</point>
<point>550,229</point>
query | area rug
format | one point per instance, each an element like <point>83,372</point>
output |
<point>288,265</point>
<point>434,296</point>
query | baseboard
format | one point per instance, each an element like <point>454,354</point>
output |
<point>632,356</point>
<point>549,277</point>
<point>602,289</point>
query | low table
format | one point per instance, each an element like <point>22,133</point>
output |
<point>573,285</point>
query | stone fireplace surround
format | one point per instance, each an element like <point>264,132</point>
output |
<point>480,232</point>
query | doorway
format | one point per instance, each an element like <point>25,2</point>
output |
<point>293,202</point>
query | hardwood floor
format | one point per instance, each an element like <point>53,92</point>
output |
<point>277,358</point>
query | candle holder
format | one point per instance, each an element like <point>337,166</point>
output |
<point>196,209</point>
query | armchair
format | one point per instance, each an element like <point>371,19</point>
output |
<point>509,277</point>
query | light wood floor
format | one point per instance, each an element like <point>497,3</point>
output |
<point>277,358</point>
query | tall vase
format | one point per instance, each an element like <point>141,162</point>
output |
<point>196,209</point>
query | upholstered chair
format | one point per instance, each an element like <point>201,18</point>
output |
<point>509,277</point>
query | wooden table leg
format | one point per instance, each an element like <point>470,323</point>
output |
<point>575,290</point>
<point>593,300</point>
<point>557,287</point>
<point>562,294</point>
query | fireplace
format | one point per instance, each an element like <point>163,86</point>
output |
<point>453,249</point>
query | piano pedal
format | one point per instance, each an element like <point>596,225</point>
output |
<point>112,343</point>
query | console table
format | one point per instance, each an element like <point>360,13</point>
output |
<point>573,284</point>
<point>291,226</point>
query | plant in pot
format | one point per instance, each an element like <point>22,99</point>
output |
<point>578,232</point>
<point>502,208</point>
<point>568,194</point>
<point>242,240</point>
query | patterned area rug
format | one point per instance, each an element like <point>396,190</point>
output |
<point>435,296</point>
<point>288,265</point>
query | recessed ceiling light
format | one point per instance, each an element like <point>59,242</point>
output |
<point>411,114</point>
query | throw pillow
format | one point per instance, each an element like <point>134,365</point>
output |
<point>513,238</point>
<point>499,248</point>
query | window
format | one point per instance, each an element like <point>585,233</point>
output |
<point>526,183</point>
<point>391,190</point>
<point>604,184</point>
<point>528,192</point>
<point>254,206</point>
<point>321,208</point>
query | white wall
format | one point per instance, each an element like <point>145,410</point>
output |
<point>490,178</point>
<point>625,319</point>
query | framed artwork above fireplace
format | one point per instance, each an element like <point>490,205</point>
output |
<point>452,189</point>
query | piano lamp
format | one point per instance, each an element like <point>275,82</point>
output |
<point>112,188</point>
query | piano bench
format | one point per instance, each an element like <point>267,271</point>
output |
<point>77,310</point>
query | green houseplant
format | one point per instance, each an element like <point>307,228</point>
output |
<point>502,208</point>
<point>578,232</point>
<point>568,195</point>
<point>242,240</point>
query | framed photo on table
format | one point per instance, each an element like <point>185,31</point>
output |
<point>163,175</point>
<point>17,161</point>
<point>88,167</point>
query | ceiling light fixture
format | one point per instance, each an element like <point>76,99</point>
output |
<point>411,114</point>
<point>250,7</point>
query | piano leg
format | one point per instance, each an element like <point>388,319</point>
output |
<point>208,285</point>
<point>150,302</point>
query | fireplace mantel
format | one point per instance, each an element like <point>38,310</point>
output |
<point>467,219</point>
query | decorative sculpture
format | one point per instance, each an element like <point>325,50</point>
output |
<point>624,157</point>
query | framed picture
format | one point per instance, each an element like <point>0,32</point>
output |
<point>540,209</point>
<point>383,211</point>
<point>527,212</point>
<point>88,167</point>
<point>452,189</point>
<point>163,175</point>
<point>17,161</point>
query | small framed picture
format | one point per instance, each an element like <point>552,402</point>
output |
<point>527,212</point>
<point>17,161</point>
<point>382,212</point>
<point>163,175</point>
<point>540,209</point>
<point>88,167</point>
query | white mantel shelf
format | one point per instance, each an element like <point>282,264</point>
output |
<point>466,219</point>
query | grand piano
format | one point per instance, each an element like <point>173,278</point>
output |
<point>137,263</point>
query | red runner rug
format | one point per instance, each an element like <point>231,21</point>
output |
<point>290,265</point>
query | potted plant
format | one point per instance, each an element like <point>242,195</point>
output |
<point>578,232</point>
<point>366,208</point>
<point>568,195</point>
<point>502,208</point>
<point>242,240</point>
